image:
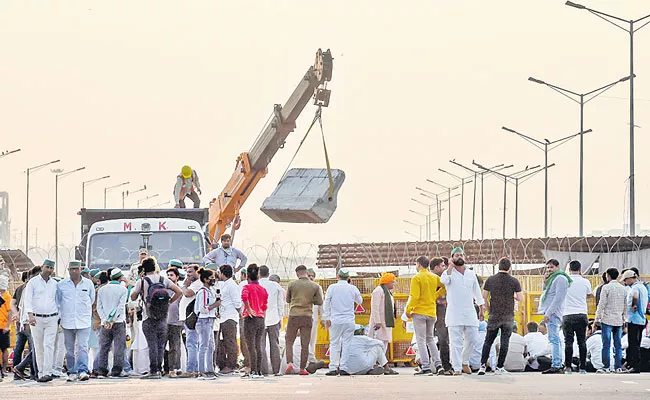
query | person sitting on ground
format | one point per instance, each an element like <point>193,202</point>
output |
<point>594,348</point>
<point>538,347</point>
<point>516,357</point>
<point>367,355</point>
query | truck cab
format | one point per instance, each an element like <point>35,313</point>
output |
<point>113,238</point>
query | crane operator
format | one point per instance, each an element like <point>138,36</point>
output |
<point>187,184</point>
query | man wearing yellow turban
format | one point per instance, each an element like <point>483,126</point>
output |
<point>382,310</point>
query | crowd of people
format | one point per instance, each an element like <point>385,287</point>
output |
<point>185,323</point>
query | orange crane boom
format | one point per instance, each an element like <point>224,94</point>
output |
<point>252,166</point>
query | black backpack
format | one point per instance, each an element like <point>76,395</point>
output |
<point>191,317</point>
<point>157,300</point>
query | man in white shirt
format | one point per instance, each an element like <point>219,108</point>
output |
<point>229,309</point>
<point>190,287</point>
<point>111,306</point>
<point>338,316</point>
<point>463,290</point>
<point>40,305</point>
<point>538,346</point>
<point>75,296</point>
<point>273,322</point>
<point>574,319</point>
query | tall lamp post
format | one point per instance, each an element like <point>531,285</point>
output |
<point>462,181</point>
<point>631,30</point>
<point>108,189</point>
<point>580,99</point>
<point>59,174</point>
<point>7,152</point>
<point>428,223</point>
<point>36,168</point>
<point>83,188</point>
<point>147,198</point>
<point>161,204</point>
<point>448,189</point>
<point>414,224</point>
<point>126,194</point>
<point>482,174</point>
<point>545,146</point>
<point>433,196</point>
<point>523,177</point>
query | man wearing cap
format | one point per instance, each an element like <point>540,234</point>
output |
<point>75,296</point>
<point>174,324</point>
<point>226,254</point>
<point>338,313</point>
<point>39,300</point>
<point>637,302</point>
<point>302,295</point>
<point>425,288</point>
<point>463,290</point>
<point>382,310</point>
<point>111,307</point>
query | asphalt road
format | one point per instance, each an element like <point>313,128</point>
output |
<point>404,386</point>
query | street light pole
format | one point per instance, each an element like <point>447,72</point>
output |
<point>631,30</point>
<point>160,204</point>
<point>525,178</point>
<point>419,227</point>
<point>7,152</point>
<point>27,202</point>
<point>462,197</point>
<point>580,99</point>
<point>448,197</point>
<point>433,196</point>
<point>546,146</point>
<point>476,173</point>
<point>83,188</point>
<point>59,174</point>
<point>126,194</point>
<point>146,198</point>
<point>106,190</point>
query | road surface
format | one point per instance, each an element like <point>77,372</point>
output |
<point>404,386</point>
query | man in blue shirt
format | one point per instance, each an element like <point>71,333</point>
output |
<point>226,254</point>
<point>75,296</point>
<point>637,302</point>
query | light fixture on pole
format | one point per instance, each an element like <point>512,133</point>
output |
<point>462,181</point>
<point>482,175</point>
<point>433,196</point>
<point>147,198</point>
<point>126,194</point>
<point>59,174</point>
<point>448,189</point>
<point>36,168</point>
<point>83,188</point>
<point>428,223</point>
<point>7,152</point>
<point>546,146</point>
<point>108,189</point>
<point>414,224</point>
<point>581,101</point>
<point>524,177</point>
<point>631,30</point>
<point>160,204</point>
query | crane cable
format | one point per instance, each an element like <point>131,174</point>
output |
<point>317,117</point>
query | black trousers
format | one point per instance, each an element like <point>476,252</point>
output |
<point>491,335</point>
<point>155,331</point>
<point>633,353</point>
<point>575,325</point>
<point>254,332</point>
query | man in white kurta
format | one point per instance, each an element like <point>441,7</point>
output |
<point>463,290</point>
<point>338,314</point>
<point>365,355</point>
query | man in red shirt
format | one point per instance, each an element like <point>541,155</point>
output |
<point>255,299</point>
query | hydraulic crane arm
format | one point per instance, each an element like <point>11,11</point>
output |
<point>252,166</point>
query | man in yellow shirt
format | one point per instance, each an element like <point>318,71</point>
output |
<point>425,288</point>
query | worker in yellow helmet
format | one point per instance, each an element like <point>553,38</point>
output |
<point>187,184</point>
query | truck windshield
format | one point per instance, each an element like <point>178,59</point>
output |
<point>121,249</point>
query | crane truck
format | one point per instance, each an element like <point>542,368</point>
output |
<point>114,237</point>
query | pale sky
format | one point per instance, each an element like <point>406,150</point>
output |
<point>136,89</point>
